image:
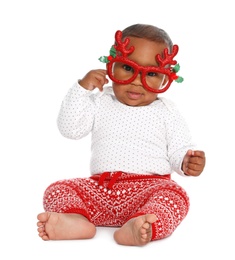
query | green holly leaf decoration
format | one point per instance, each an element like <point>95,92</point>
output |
<point>112,52</point>
<point>176,68</point>
<point>179,79</point>
<point>104,59</point>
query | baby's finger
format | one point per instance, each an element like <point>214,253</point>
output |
<point>197,160</point>
<point>194,167</point>
<point>194,173</point>
<point>199,154</point>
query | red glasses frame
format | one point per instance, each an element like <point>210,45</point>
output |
<point>138,69</point>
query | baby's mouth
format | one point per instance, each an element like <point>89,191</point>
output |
<point>133,95</point>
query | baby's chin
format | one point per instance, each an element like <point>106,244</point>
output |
<point>135,103</point>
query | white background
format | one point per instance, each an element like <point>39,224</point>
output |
<point>45,46</point>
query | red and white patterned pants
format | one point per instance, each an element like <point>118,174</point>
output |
<point>110,199</point>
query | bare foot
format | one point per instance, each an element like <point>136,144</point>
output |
<point>64,226</point>
<point>136,232</point>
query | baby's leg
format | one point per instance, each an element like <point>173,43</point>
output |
<point>64,226</point>
<point>136,232</point>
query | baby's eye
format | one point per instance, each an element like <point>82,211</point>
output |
<point>152,74</point>
<point>127,67</point>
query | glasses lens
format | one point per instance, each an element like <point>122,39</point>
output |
<point>123,71</point>
<point>155,79</point>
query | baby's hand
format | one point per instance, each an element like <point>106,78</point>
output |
<point>94,79</point>
<point>193,163</point>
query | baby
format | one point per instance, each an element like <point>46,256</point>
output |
<point>138,140</point>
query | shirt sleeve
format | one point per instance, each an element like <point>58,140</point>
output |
<point>76,115</point>
<point>179,138</point>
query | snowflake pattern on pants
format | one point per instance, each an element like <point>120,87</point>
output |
<point>110,199</point>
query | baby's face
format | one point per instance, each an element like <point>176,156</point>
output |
<point>134,94</point>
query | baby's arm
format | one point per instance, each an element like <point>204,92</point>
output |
<point>75,119</point>
<point>94,79</point>
<point>193,163</point>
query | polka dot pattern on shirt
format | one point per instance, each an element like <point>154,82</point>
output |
<point>147,139</point>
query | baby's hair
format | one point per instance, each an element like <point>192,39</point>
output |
<point>148,32</point>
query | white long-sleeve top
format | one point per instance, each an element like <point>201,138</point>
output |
<point>150,139</point>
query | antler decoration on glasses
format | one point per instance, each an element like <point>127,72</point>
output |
<point>120,52</point>
<point>166,60</point>
<point>120,46</point>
